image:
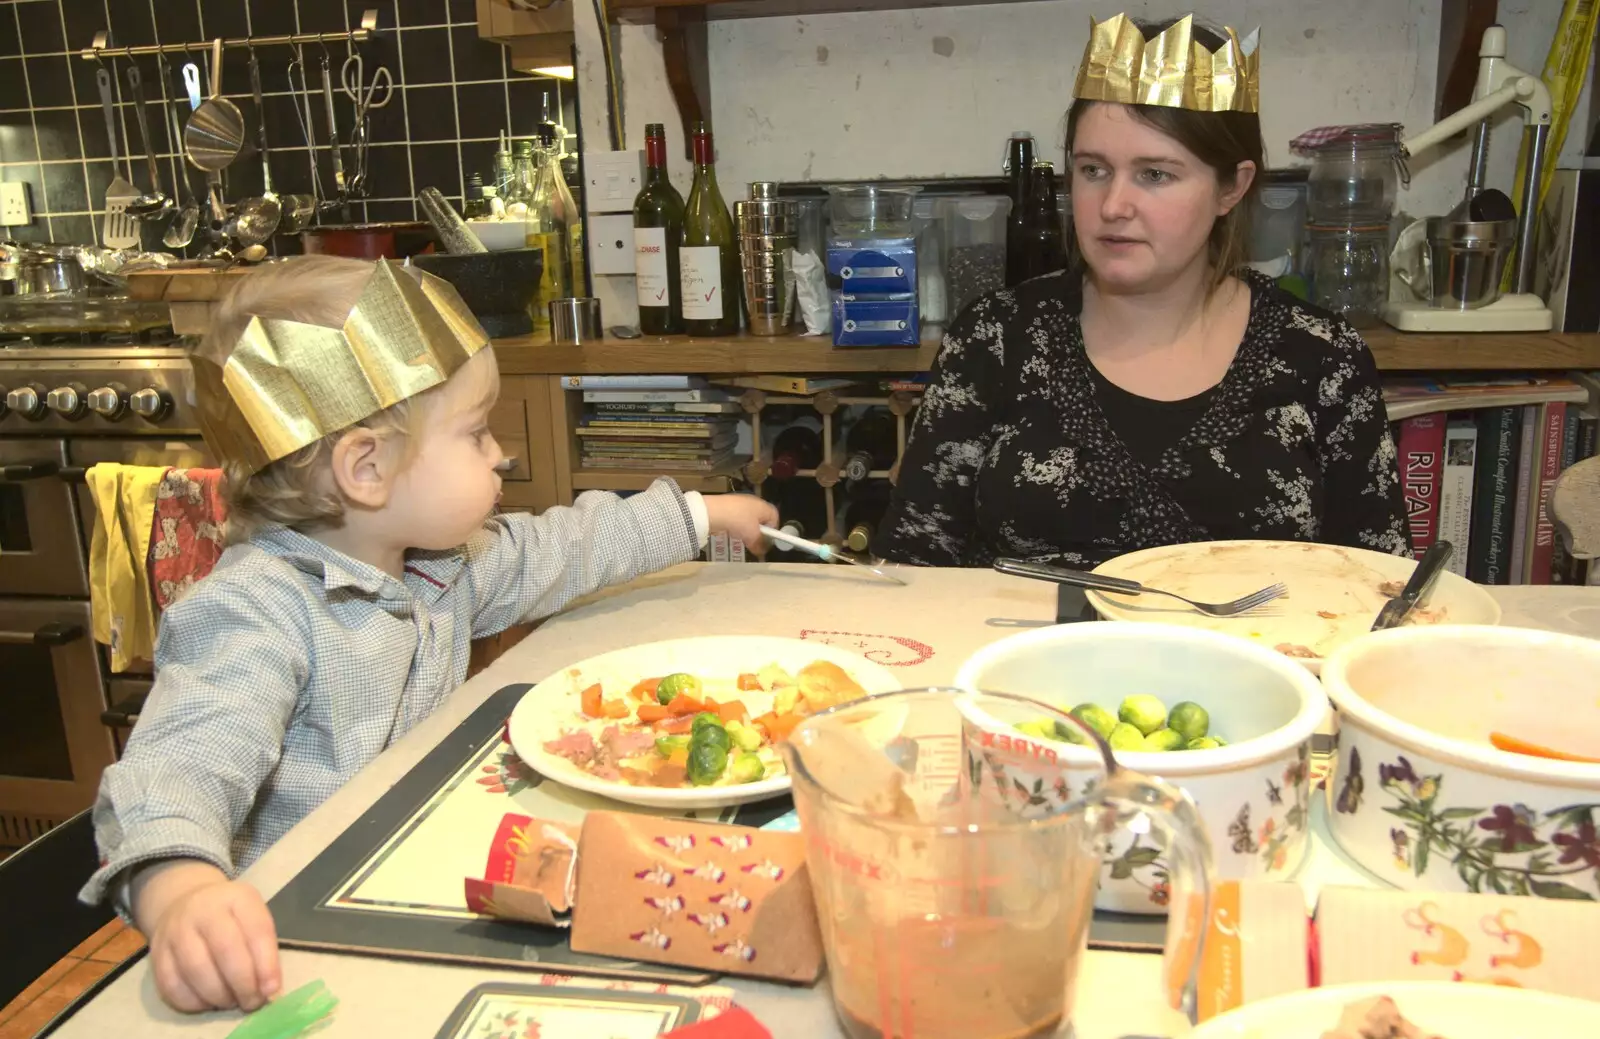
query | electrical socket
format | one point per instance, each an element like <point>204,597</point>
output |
<point>610,238</point>
<point>612,180</point>
<point>14,204</point>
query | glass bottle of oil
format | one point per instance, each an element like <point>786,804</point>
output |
<point>548,231</point>
<point>550,151</point>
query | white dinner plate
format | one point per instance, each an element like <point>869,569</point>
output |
<point>1334,592</point>
<point>552,705</point>
<point>1447,1009</point>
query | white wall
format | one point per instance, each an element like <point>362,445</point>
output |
<point>934,92</point>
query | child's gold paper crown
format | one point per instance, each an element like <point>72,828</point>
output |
<point>286,384</point>
<point>1172,70</point>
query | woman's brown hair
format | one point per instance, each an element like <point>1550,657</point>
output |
<point>1221,140</point>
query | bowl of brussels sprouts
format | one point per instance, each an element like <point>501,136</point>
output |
<point>1229,721</point>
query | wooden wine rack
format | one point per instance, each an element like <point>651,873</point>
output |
<point>829,471</point>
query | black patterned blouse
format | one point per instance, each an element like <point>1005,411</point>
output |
<point>1013,453</point>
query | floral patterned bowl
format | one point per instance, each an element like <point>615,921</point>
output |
<point>1421,798</point>
<point>1254,794</point>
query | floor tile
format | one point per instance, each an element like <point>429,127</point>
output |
<point>97,939</point>
<point>40,984</point>
<point>123,944</point>
<point>35,1015</point>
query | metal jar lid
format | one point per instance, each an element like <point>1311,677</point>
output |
<point>764,213</point>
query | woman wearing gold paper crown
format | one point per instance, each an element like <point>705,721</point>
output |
<point>349,402</point>
<point>1156,392</point>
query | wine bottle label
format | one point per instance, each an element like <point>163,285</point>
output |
<point>650,265</point>
<point>700,277</point>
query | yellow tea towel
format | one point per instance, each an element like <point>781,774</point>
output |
<point>119,577</point>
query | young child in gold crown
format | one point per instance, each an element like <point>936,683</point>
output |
<point>365,555</point>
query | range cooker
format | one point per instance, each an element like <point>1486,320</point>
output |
<point>67,403</point>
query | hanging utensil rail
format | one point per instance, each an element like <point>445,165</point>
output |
<point>102,48</point>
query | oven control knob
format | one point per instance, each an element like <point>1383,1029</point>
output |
<point>150,404</point>
<point>109,402</point>
<point>27,401</point>
<point>70,401</point>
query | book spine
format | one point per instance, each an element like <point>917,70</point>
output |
<point>1563,568</point>
<point>1494,489</point>
<point>1455,492</point>
<point>1421,468</point>
<point>1541,555</point>
<point>651,396</point>
<point>1516,566</point>
<point>632,382</point>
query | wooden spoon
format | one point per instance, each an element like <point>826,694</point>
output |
<point>1516,746</point>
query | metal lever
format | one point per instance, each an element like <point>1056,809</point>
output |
<point>53,634</point>
<point>20,471</point>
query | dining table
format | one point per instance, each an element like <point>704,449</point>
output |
<point>922,630</point>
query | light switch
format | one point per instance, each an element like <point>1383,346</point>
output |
<point>612,180</point>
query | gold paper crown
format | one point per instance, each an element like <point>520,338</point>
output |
<point>287,384</point>
<point>1173,70</point>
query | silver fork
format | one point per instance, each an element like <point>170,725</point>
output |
<point>1061,575</point>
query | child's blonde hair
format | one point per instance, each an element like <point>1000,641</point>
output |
<point>314,290</point>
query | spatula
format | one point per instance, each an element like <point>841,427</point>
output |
<point>120,230</point>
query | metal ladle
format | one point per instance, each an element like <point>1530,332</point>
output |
<point>256,219</point>
<point>155,200</point>
<point>181,231</point>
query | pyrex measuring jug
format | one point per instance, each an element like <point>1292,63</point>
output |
<point>954,861</point>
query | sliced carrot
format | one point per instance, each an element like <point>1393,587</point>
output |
<point>675,726</point>
<point>684,704</point>
<point>779,726</point>
<point>734,710</point>
<point>614,709</point>
<point>654,712</point>
<point>749,683</point>
<point>645,690</point>
<point>590,700</point>
<point>1516,746</point>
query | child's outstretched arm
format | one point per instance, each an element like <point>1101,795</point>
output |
<point>523,566</point>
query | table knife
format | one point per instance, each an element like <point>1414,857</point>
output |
<point>827,553</point>
<point>1428,570</point>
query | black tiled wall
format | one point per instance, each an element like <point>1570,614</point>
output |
<point>455,94</point>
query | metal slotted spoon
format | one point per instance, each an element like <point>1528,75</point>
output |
<point>119,230</point>
<point>1118,586</point>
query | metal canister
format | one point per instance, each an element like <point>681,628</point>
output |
<point>768,233</point>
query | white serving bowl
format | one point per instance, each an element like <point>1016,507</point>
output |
<point>500,234</point>
<point>1254,794</point>
<point>1416,707</point>
<point>1438,1008</point>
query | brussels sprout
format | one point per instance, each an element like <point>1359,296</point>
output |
<point>1096,717</point>
<point>744,737</point>
<point>706,720</point>
<point>747,768</point>
<point>671,686</point>
<point>1189,720</point>
<point>707,760</point>
<point>666,746</point>
<point>1203,743</point>
<point>1126,737</point>
<point>1144,712</point>
<point>1164,739</point>
<point>1042,728</point>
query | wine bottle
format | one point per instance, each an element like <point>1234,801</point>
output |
<point>864,515</point>
<point>798,446</point>
<point>708,259</point>
<point>1044,252</point>
<point>802,512</point>
<point>657,229</point>
<point>871,445</point>
<point>1019,169</point>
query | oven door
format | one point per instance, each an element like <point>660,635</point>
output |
<point>41,545</point>
<point>53,745</point>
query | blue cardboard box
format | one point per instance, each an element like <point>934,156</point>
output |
<point>879,266</point>
<point>876,321</point>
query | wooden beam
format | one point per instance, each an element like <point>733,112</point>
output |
<point>1461,27</point>
<point>682,31</point>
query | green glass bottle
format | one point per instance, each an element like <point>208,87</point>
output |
<point>657,230</point>
<point>708,259</point>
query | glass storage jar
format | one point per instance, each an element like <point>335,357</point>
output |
<point>1355,176</point>
<point>1350,270</point>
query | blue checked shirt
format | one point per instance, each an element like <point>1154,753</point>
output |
<point>291,666</point>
